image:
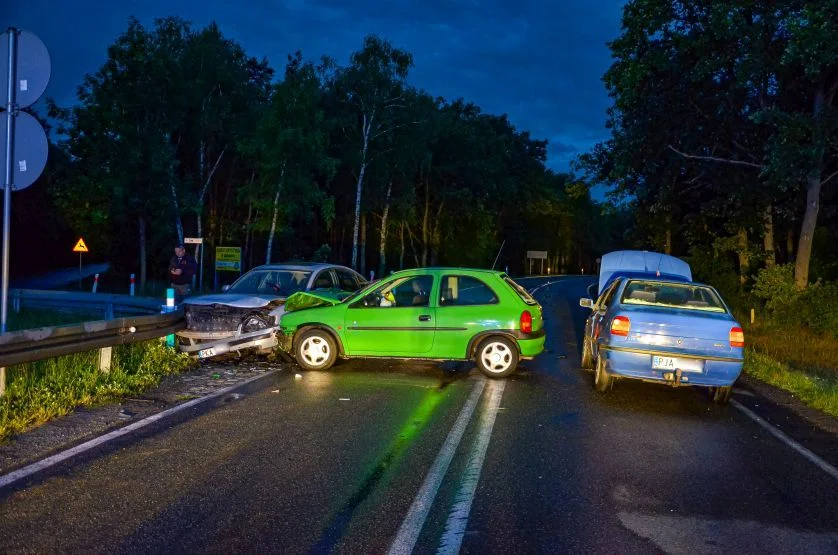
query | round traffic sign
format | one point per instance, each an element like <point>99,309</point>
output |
<point>30,150</point>
<point>33,68</point>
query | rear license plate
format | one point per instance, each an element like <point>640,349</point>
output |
<point>206,353</point>
<point>673,363</point>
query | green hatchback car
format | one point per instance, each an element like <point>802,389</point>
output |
<point>425,313</point>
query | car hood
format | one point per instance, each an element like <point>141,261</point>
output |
<point>233,299</point>
<point>303,300</point>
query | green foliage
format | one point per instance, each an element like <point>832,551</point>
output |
<point>776,287</point>
<point>41,391</point>
<point>321,254</point>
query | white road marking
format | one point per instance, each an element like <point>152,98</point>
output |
<point>694,535</point>
<point>813,458</point>
<point>418,512</point>
<point>19,474</point>
<point>455,528</point>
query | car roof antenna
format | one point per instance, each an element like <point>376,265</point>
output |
<point>498,256</point>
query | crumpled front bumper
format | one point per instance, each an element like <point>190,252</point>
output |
<point>209,344</point>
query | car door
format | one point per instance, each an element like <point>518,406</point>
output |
<point>466,305</point>
<point>599,315</point>
<point>395,319</point>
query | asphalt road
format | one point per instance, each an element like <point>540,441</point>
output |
<point>377,456</point>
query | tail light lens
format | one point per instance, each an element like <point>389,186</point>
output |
<point>620,325</point>
<point>737,337</point>
<point>526,322</point>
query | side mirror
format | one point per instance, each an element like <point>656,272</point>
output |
<point>587,303</point>
<point>225,288</point>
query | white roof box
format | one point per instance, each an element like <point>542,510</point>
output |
<point>642,263</point>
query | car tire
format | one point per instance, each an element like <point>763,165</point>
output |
<point>587,354</point>
<point>603,381</point>
<point>721,395</point>
<point>315,350</point>
<point>497,357</point>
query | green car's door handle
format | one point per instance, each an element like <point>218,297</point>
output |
<point>425,318</point>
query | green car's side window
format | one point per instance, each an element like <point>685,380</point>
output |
<point>465,291</point>
<point>409,291</point>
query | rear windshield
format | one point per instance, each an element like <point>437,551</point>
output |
<point>677,295</point>
<point>526,297</point>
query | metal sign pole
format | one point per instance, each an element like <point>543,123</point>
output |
<point>7,182</point>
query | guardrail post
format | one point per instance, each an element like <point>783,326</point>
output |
<point>2,382</point>
<point>95,282</point>
<point>109,311</point>
<point>170,307</point>
<point>132,285</point>
<point>105,355</point>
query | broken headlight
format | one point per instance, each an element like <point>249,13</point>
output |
<point>253,323</point>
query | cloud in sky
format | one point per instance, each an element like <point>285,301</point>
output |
<point>539,62</point>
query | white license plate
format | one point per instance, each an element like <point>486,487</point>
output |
<point>672,363</point>
<point>206,353</point>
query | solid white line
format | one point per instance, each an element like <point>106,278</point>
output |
<point>813,458</point>
<point>455,528</point>
<point>13,477</point>
<point>418,512</point>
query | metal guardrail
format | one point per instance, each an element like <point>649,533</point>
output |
<point>110,303</point>
<point>31,345</point>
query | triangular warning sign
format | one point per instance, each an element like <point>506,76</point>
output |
<point>80,246</point>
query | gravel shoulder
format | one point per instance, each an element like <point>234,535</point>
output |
<point>87,423</point>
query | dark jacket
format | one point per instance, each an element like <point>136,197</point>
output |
<point>187,264</point>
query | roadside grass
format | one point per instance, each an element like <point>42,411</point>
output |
<point>796,360</point>
<point>40,391</point>
<point>820,392</point>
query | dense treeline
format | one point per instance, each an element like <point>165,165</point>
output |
<point>724,134</point>
<point>181,133</point>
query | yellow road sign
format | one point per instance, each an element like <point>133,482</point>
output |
<point>228,259</point>
<point>80,246</point>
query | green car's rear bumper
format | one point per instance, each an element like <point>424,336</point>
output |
<point>533,346</point>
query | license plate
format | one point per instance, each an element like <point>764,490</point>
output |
<point>206,353</point>
<point>672,363</point>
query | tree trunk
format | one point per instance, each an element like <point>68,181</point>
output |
<point>141,227</point>
<point>202,196</point>
<point>272,232</point>
<point>366,129</point>
<point>813,195</point>
<point>768,237</point>
<point>789,245</point>
<point>401,252</point>
<point>744,261</point>
<point>807,230</point>
<point>363,245</point>
<point>436,236</point>
<point>425,231</point>
<point>382,247</point>
<point>667,246</point>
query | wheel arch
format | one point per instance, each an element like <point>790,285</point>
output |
<point>471,350</point>
<point>302,328</point>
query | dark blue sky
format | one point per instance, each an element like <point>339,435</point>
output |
<point>540,62</point>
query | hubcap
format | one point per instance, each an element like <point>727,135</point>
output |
<point>315,351</point>
<point>496,357</point>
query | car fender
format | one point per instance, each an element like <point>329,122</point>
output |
<point>512,335</point>
<point>319,326</point>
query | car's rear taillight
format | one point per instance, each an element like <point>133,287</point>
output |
<point>620,325</point>
<point>526,322</point>
<point>737,337</point>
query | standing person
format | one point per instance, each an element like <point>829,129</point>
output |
<point>181,269</point>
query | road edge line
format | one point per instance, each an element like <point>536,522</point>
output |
<point>810,456</point>
<point>414,521</point>
<point>16,475</point>
<point>455,527</point>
